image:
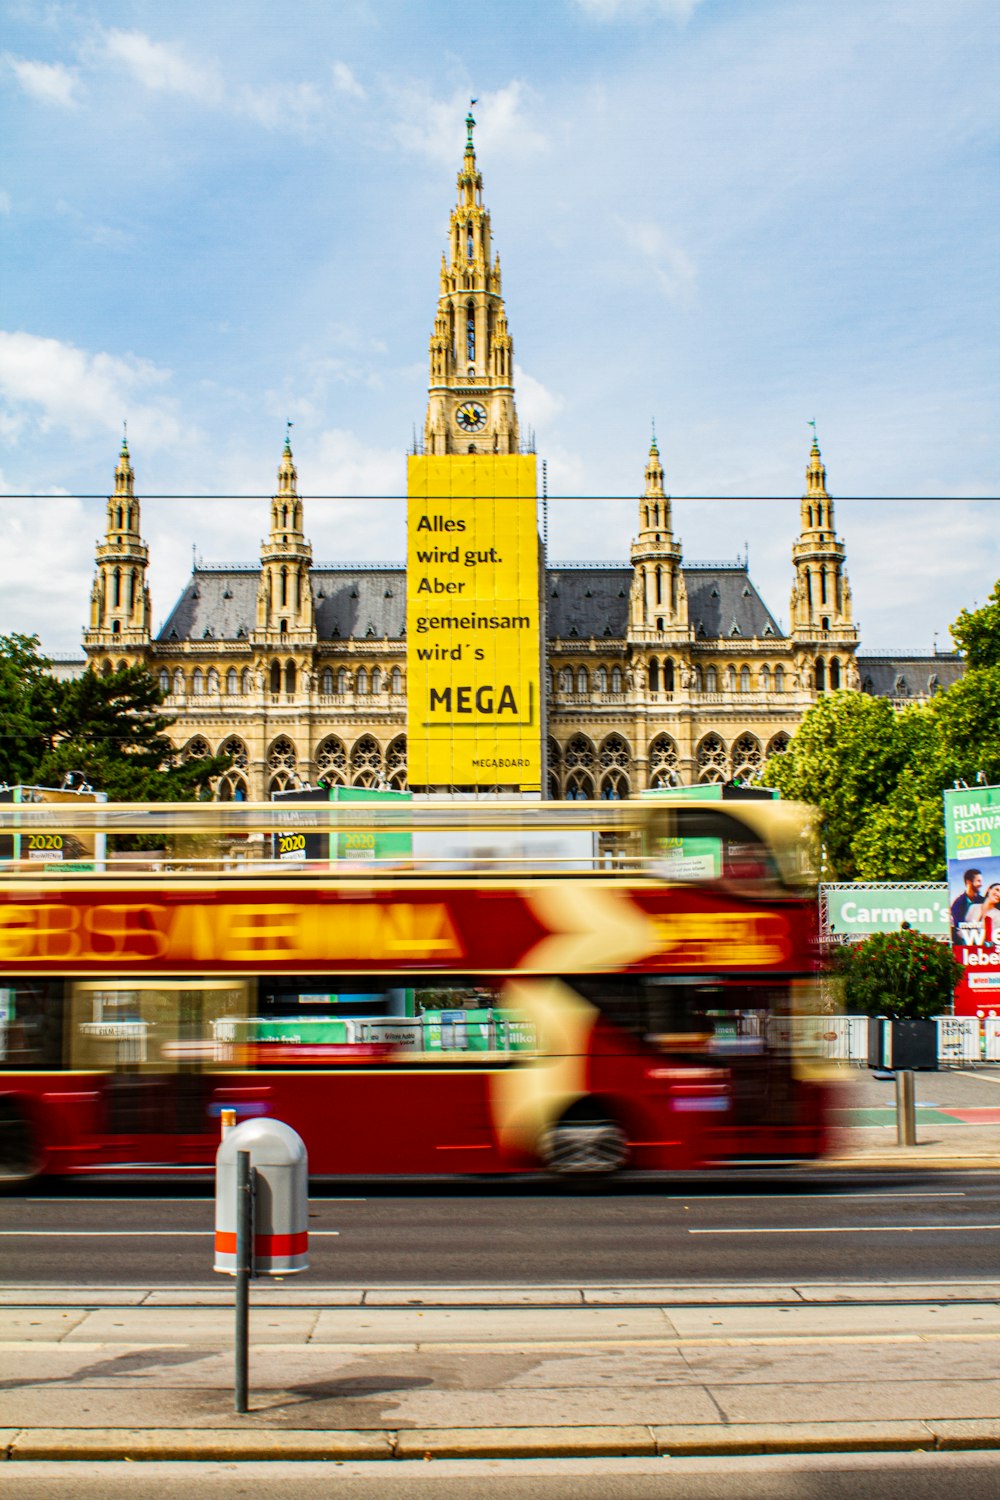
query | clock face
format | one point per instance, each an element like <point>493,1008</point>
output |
<point>471,417</point>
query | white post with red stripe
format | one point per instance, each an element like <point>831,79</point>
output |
<point>281,1198</point>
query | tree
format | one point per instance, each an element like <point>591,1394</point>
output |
<point>846,759</point>
<point>900,974</point>
<point>28,697</point>
<point>976,632</point>
<point>109,728</point>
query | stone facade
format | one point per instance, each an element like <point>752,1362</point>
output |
<point>659,672</point>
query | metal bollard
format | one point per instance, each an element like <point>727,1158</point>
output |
<point>906,1113</point>
<point>244,1271</point>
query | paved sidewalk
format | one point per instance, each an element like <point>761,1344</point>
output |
<point>348,1372</point>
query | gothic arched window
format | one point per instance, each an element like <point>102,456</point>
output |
<point>376,680</point>
<point>331,761</point>
<point>198,681</point>
<point>395,763</point>
<point>326,681</point>
<point>361,681</point>
<point>744,679</point>
<point>276,677</point>
<point>663,762</point>
<point>710,680</point>
<point>654,676</point>
<point>834,674</point>
<point>164,682</point>
<point>366,762</point>
<point>290,677</point>
<point>616,679</point>
<point>779,678</point>
<point>668,675</point>
<point>281,764</point>
<point>470,333</point>
<point>820,674</point>
<point>343,680</point>
<point>232,681</point>
<point>713,761</point>
<point>582,685</point>
<point>396,682</point>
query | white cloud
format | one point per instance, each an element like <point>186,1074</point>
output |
<point>537,406</point>
<point>345,82</point>
<point>5,202</point>
<point>162,68</point>
<point>432,127</point>
<point>58,385</point>
<point>50,83</point>
<point>633,10</point>
<point>671,266</point>
<point>293,105</point>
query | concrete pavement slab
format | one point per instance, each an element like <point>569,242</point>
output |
<point>191,1325</point>
<point>239,1443</point>
<point>679,1296</point>
<point>505,1442</point>
<point>970,1432</point>
<point>483,1325</point>
<point>830,1362</point>
<point>502,1296</point>
<point>792,1437</point>
<point>806,1321</point>
<point>71,1296</point>
<point>917,1291</point>
<point>873,1399</point>
<point>23,1325</point>
<point>262,1294</point>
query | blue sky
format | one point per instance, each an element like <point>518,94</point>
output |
<point>732,217</point>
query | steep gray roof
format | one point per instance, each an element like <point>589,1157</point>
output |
<point>369,602</point>
<point>723,604</point>
<point>892,676</point>
<point>221,604</point>
<point>587,600</point>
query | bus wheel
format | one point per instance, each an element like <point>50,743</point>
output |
<point>584,1148</point>
<point>18,1158</point>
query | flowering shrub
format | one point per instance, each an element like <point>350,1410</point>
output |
<point>898,974</point>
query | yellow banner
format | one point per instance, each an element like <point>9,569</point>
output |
<point>473,644</point>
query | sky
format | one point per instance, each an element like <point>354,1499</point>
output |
<point>729,218</point>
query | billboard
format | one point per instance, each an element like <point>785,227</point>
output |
<point>855,911</point>
<point>292,844</point>
<point>972,848</point>
<point>473,627</point>
<point>53,849</point>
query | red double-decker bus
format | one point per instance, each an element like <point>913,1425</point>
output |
<point>419,988</point>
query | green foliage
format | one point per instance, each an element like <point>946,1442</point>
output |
<point>28,697</point>
<point>977,632</point>
<point>877,776</point>
<point>109,728</point>
<point>904,974</point>
<point>847,758</point>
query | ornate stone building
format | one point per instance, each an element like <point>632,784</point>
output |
<point>659,672</point>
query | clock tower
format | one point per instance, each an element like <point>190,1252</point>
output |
<point>471,396</point>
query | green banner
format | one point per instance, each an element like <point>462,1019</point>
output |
<point>857,910</point>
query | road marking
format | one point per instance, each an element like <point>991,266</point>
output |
<point>862,1229</point>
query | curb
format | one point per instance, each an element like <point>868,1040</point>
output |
<point>898,1162</point>
<point>75,1444</point>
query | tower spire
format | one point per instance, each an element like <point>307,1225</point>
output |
<point>658,604</point>
<point>120,610</point>
<point>285,609</point>
<point>821,595</point>
<point>470,406</point>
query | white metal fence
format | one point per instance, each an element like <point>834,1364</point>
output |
<point>960,1039</point>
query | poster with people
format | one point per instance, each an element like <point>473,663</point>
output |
<point>972,848</point>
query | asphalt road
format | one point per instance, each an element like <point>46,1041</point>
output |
<point>821,1476</point>
<point>936,1225</point>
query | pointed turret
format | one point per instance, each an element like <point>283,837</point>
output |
<point>658,604</point>
<point>285,609</point>
<point>120,610</point>
<point>821,612</point>
<point>470,406</point>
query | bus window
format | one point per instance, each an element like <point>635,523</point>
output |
<point>31,1023</point>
